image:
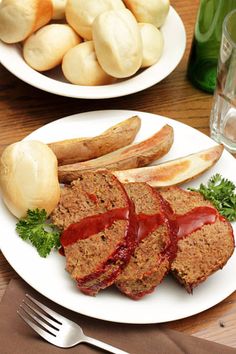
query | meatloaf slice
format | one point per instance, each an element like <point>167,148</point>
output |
<point>205,238</point>
<point>150,261</point>
<point>99,229</point>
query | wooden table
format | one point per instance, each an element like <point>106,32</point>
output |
<point>24,109</point>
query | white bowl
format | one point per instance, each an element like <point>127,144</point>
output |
<point>53,81</point>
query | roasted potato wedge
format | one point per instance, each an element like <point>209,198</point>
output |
<point>173,172</point>
<point>136,155</point>
<point>81,149</point>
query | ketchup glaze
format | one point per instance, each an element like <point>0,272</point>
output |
<point>92,225</point>
<point>194,220</point>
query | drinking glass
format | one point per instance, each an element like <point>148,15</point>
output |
<point>223,113</point>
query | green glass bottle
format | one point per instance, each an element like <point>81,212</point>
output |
<point>202,65</point>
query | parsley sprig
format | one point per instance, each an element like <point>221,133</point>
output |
<point>221,192</point>
<point>35,228</point>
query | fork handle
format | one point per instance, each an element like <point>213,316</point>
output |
<point>105,346</point>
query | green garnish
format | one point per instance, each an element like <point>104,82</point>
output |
<point>221,192</point>
<point>34,227</point>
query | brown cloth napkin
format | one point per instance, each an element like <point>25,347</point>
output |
<point>17,338</point>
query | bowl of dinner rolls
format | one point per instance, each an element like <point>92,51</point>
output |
<point>90,48</point>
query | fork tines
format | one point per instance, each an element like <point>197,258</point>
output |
<point>57,329</point>
<point>39,317</point>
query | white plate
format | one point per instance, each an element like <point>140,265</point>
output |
<point>53,81</point>
<point>170,301</point>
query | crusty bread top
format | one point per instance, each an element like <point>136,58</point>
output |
<point>80,14</point>
<point>44,49</point>
<point>149,11</point>
<point>18,19</point>
<point>117,42</point>
<point>152,43</point>
<point>58,9</point>
<point>28,177</point>
<point>88,72</point>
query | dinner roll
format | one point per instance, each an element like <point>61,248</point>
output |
<point>117,42</point>
<point>28,177</point>
<point>150,11</point>
<point>45,49</point>
<point>80,66</point>
<point>80,14</point>
<point>153,43</point>
<point>18,19</point>
<point>58,9</point>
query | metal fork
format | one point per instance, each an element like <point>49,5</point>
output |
<point>55,328</point>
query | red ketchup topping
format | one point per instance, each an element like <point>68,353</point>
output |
<point>61,251</point>
<point>92,225</point>
<point>171,250</point>
<point>194,220</point>
<point>92,197</point>
<point>148,223</point>
<point>180,226</point>
<point>121,254</point>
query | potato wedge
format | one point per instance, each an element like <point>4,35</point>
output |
<point>173,172</point>
<point>136,155</point>
<point>81,149</point>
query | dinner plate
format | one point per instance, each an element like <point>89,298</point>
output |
<point>169,301</point>
<point>54,82</point>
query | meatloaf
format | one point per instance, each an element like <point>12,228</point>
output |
<point>205,239</point>
<point>150,261</point>
<point>99,229</point>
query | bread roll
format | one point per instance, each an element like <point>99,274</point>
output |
<point>150,11</point>
<point>153,43</point>
<point>45,49</point>
<point>58,9</point>
<point>80,14</point>
<point>80,66</point>
<point>18,19</point>
<point>28,177</point>
<point>118,43</point>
